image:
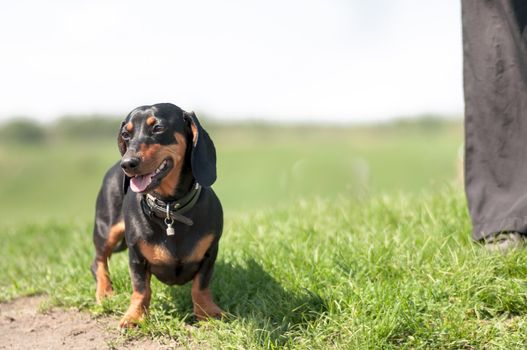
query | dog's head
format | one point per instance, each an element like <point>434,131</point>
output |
<point>156,142</point>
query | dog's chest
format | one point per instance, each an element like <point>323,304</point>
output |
<point>158,254</point>
<point>172,252</point>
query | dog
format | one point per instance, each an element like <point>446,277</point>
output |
<point>171,221</point>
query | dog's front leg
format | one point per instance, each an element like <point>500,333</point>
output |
<point>204,306</point>
<point>140,300</point>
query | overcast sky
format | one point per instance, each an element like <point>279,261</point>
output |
<point>340,60</point>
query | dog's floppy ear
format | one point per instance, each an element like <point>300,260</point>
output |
<point>203,156</point>
<point>120,141</point>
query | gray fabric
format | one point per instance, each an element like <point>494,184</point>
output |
<point>495,82</point>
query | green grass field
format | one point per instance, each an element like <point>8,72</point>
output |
<point>334,238</point>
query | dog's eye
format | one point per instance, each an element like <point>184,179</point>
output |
<point>158,129</point>
<point>125,135</point>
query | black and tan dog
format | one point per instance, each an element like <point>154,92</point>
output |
<point>172,220</point>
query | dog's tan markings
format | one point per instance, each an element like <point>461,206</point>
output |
<point>199,250</point>
<point>155,254</point>
<point>104,285</point>
<point>102,273</point>
<point>177,153</point>
<point>204,306</point>
<point>194,133</point>
<point>114,236</point>
<point>139,304</point>
<point>150,120</point>
<point>129,127</point>
<point>150,153</point>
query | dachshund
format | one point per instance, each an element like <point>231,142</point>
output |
<point>171,221</point>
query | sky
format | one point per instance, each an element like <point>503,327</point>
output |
<point>290,60</point>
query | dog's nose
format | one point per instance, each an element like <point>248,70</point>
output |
<point>129,163</point>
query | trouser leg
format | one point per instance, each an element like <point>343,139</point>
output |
<point>495,84</point>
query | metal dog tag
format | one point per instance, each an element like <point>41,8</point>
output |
<point>169,222</point>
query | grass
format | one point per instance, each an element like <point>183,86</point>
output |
<point>346,239</point>
<point>388,272</point>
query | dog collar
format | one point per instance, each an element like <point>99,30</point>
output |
<point>171,211</point>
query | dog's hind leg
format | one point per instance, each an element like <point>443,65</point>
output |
<point>104,246</point>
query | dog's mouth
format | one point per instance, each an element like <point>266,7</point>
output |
<point>147,182</point>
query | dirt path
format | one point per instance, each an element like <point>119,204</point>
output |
<point>22,326</point>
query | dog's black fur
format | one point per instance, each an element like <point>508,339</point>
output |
<point>149,135</point>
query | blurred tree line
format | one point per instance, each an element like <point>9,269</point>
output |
<point>96,127</point>
<point>85,128</point>
<point>99,127</point>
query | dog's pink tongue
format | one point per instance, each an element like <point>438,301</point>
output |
<point>140,183</point>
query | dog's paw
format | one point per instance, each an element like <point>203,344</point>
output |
<point>103,292</point>
<point>208,311</point>
<point>133,316</point>
<point>130,321</point>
